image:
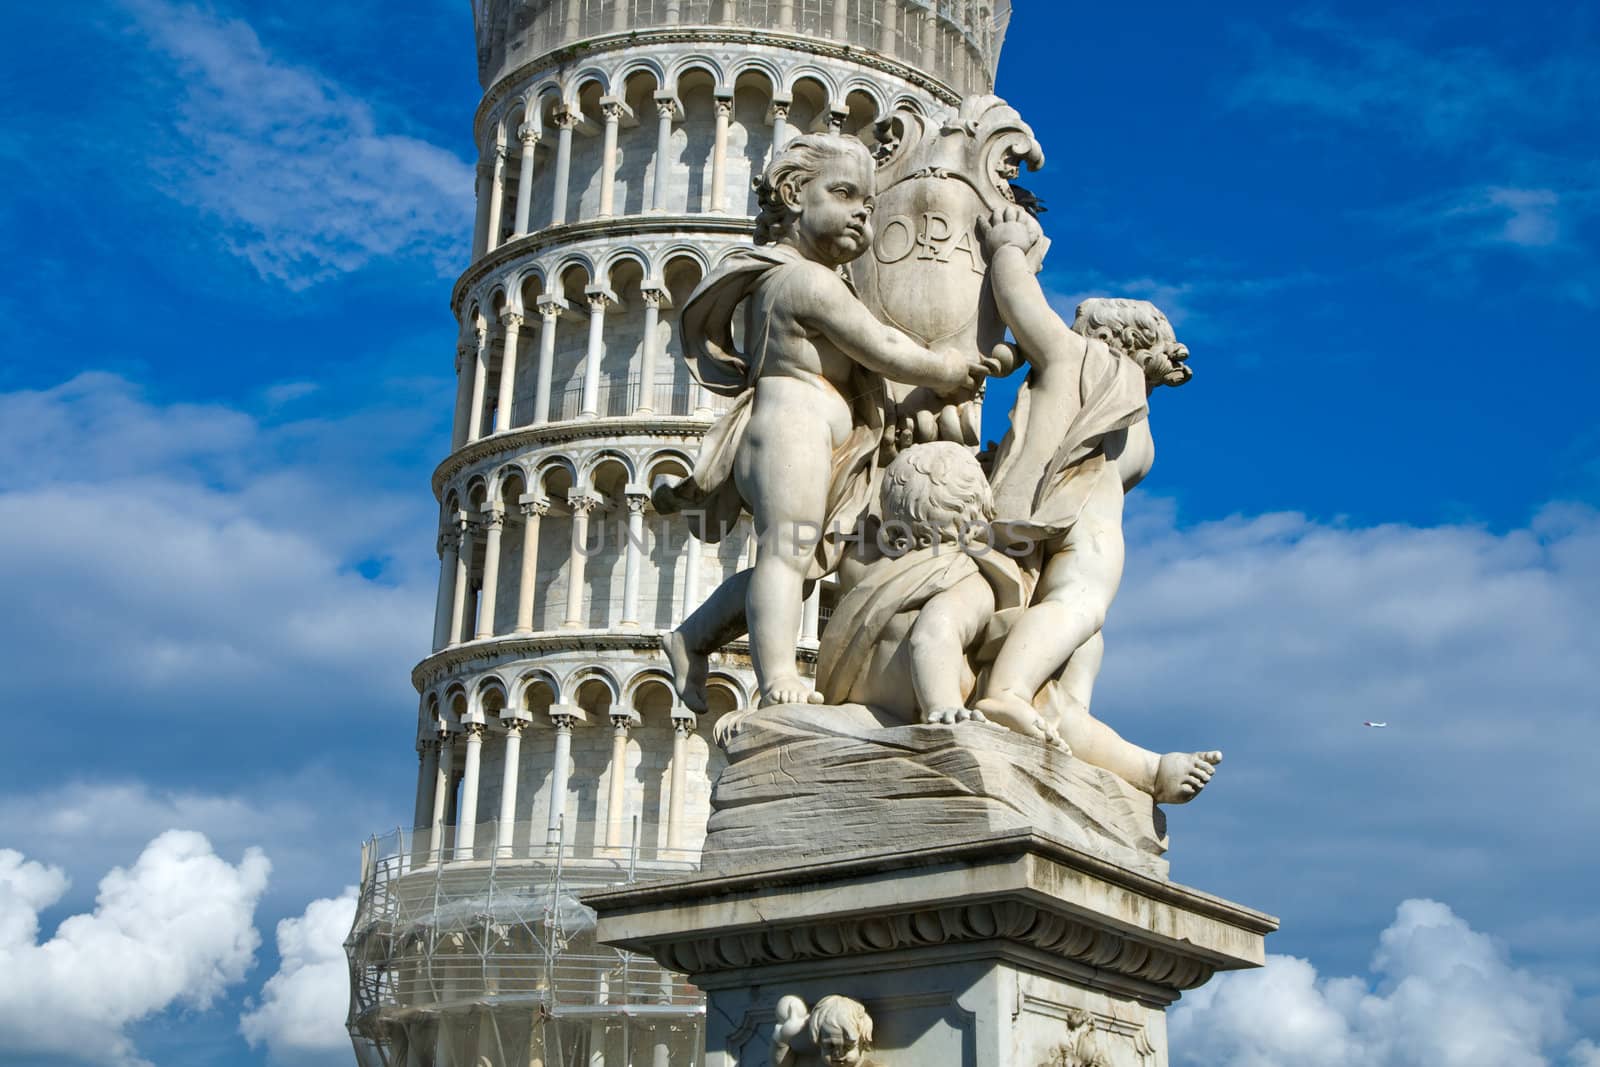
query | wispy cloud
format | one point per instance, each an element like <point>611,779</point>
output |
<point>203,545</point>
<point>1503,134</point>
<point>300,176</point>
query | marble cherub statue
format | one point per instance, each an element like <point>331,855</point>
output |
<point>1079,440</point>
<point>918,594</point>
<point>799,448</point>
<point>837,1029</point>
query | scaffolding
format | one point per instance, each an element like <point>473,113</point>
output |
<point>488,957</point>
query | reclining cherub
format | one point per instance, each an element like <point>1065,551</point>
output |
<point>798,450</point>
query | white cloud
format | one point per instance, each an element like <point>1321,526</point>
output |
<point>1441,995</point>
<point>301,1014</point>
<point>1273,637</point>
<point>309,822</point>
<point>174,929</point>
<point>193,546</point>
<point>299,173</point>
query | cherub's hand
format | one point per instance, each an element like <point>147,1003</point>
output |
<point>1007,226</point>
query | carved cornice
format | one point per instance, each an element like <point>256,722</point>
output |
<point>489,652</point>
<point>703,36</point>
<point>1006,893</point>
<point>700,223</point>
<point>682,427</point>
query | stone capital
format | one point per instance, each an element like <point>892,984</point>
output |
<point>599,298</point>
<point>566,716</point>
<point>494,516</point>
<point>615,109</point>
<point>779,108</point>
<point>515,720</point>
<point>724,104</point>
<point>684,721</point>
<point>528,135</point>
<point>655,296</point>
<point>551,308</point>
<point>533,506</point>
<point>637,497</point>
<point>582,502</point>
<point>624,719</point>
<point>667,106</point>
<point>511,320</point>
<point>567,117</point>
<point>474,730</point>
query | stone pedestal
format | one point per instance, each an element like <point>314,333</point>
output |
<point>989,902</point>
<point>1011,950</point>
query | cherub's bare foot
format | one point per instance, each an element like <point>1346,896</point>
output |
<point>948,716</point>
<point>688,671</point>
<point>1181,775</point>
<point>1011,711</point>
<point>788,689</point>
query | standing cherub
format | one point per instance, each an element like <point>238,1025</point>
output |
<point>799,447</point>
<point>1079,440</point>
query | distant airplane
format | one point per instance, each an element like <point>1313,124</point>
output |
<point>1379,725</point>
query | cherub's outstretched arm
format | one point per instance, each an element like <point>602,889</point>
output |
<point>1048,340</point>
<point>838,314</point>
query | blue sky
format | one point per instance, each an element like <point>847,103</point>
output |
<point>232,232</point>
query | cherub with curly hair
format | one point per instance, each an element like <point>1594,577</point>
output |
<point>837,1028</point>
<point>799,447</point>
<point>1080,439</point>
<point>917,599</point>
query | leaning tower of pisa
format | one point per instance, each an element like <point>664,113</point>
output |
<point>617,142</point>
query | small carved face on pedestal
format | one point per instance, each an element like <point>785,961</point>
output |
<point>825,185</point>
<point>842,1032</point>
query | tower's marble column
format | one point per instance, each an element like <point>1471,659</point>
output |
<point>599,298</point>
<point>811,617</point>
<point>494,522</point>
<point>528,137</point>
<point>465,353</point>
<point>617,798</point>
<point>463,581</point>
<point>719,154</point>
<point>511,321</point>
<point>480,381</point>
<point>497,194</point>
<point>683,723</point>
<point>534,508</point>
<point>633,561</point>
<point>515,720</point>
<point>567,118</point>
<point>480,222</point>
<point>654,297</point>
<point>550,309</point>
<point>427,771</point>
<point>467,821</point>
<point>449,553</point>
<point>444,773</point>
<point>582,504</point>
<point>694,553</point>
<point>778,116</point>
<point>613,110</point>
<point>563,717</point>
<point>667,110</point>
